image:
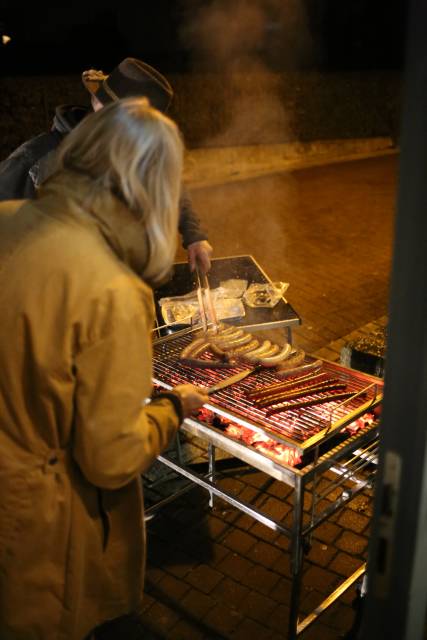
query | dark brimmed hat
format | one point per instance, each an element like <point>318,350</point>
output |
<point>130,78</point>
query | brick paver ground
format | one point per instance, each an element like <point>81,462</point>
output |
<point>328,231</point>
<point>215,574</point>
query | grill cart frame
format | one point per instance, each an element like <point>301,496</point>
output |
<point>337,465</point>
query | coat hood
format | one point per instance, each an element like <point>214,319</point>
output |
<point>75,195</point>
<point>68,116</point>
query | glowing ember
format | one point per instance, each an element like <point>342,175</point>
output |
<point>205,415</point>
<point>364,421</point>
<point>279,452</point>
<point>259,441</point>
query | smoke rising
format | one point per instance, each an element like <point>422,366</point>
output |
<point>248,43</point>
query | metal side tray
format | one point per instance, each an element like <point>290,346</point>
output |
<point>245,267</point>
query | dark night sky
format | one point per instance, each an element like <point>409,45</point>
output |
<point>347,34</point>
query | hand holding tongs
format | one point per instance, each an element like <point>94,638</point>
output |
<point>204,297</point>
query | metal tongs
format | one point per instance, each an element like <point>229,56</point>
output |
<point>206,305</point>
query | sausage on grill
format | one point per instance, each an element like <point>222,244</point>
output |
<point>195,348</point>
<point>271,389</point>
<point>304,368</point>
<point>273,361</point>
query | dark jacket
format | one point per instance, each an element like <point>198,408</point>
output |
<point>33,162</point>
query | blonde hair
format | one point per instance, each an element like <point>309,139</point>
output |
<point>136,152</point>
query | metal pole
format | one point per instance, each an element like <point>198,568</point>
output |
<point>296,557</point>
<point>397,566</point>
<point>211,470</point>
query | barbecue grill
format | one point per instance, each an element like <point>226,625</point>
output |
<point>332,462</point>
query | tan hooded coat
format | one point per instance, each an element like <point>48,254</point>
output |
<point>75,433</point>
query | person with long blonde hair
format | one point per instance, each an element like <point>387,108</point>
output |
<point>78,422</point>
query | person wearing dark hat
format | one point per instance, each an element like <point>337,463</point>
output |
<point>34,161</point>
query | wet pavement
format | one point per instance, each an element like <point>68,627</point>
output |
<point>328,231</point>
<point>217,573</point>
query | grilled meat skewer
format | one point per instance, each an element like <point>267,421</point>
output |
<point>333,397</point>
<point>300,393</point>
<point>271,389</point>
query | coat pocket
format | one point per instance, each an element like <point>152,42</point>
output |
<point>15,513</point>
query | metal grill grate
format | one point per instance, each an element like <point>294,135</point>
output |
<point>298,427</point>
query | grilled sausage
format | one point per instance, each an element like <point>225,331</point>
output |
<point>220,332</point>
<point>217,350</point>
<point>272,351</point>
<point>230,343</point>
<point>254,355</point>
<point>311,366</point>
<point>273,361</point>
<point>195,348</point>
<point>246,348</point>
<point>300,393</point>
<point>296,358</point>
<point>229,331</point>
<point>271,389</point>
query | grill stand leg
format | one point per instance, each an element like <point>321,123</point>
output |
<point>307,540</point>
<point>296,559</point>
<point>211,470</point>
<point>299,532</point>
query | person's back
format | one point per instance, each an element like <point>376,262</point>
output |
<point>54,258</point>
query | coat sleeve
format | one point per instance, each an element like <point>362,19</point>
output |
<point>19,173</point>
<point>15,179</point>
<point>189,223</point>
<point>118,432</point>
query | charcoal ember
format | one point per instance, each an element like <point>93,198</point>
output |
<point>364,421</point>
<point>279,452</point>
<point>210,418</point>
<point>206,415</point>
<point>234,431</point>
<point>262,443</point>
<point>219,422</point>
<point>241,433</point>
<point>258,438</point>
